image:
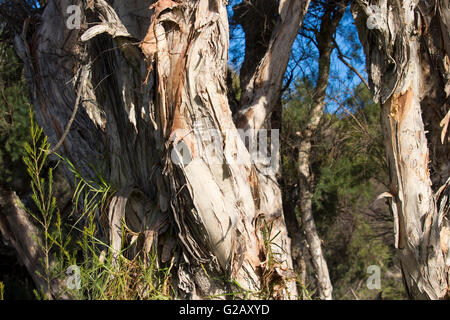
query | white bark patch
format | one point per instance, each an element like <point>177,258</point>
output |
<point>406,83</point>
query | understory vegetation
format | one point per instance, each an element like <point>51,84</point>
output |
<point>71,214</point>
<point>349,173</point>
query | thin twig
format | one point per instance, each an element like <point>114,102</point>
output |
<point>342,57</point>
<point>354,294</point>
<point>83,80</point>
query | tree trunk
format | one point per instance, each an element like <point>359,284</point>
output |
<point>20,233</point>
<point>154,120</point>
<point>266,58</point>
<point>262,91</point>
<point>329,23</point>
<point>407,52</point>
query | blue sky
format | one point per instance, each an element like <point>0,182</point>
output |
<point>341,78</point>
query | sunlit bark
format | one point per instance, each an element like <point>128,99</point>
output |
<point>156,85</point>
<point>407,50</point>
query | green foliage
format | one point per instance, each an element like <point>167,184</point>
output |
<point>105,278</point>
<point>364,250</point>
<point>348,166</point>
<point>90,196</point>
<point>64,245</point>
<point>296,109</point>
<point>35,159</point>
<point>349,159</point>
<point>2,290</point>
<point>349,171</point>
<point>14,110</point>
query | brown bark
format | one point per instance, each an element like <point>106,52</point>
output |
<point>19,232</point>
<point>407,53</point>
<point>157,82</point>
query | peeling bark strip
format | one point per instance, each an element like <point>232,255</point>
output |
<point>261,96</point>
<point>407,49</point>
<point>156,80</point>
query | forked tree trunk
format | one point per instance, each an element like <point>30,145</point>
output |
<point>329,23</point>
<point>407,51</point>
<point>154,120</point>
<point>267,50</point>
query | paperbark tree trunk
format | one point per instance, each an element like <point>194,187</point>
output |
<point>261,92</point>
<point>270,32</point>
<point>154,120</point>
<point>329,22</point>
<point>407,52</point>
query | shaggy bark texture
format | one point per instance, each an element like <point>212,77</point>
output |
<point>407,50</point>
<point>154,120</point>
